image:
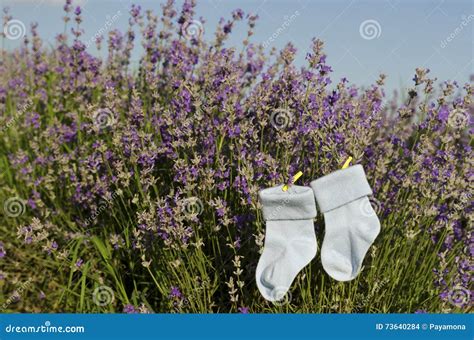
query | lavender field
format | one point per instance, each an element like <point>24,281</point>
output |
<point>134,188</point>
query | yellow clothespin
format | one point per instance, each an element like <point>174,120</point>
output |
<point>347,163</point>
<point>294,179</point>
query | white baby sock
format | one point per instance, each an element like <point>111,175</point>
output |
<point>290,241</point>
<point>351,222</point>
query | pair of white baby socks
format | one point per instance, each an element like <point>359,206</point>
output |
<point>290,239</point>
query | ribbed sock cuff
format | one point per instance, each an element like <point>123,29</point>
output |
<point>341,187</point>
<point>297,203</point>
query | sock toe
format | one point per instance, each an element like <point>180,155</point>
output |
<point>269,285</point>
<point>337,266</point>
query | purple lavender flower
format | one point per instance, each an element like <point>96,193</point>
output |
<point>110,147</point>
<point>129,309</point>
<point>244,310</point>
<point>175,292</point>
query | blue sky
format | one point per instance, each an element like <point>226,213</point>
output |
<point>407,34</point>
